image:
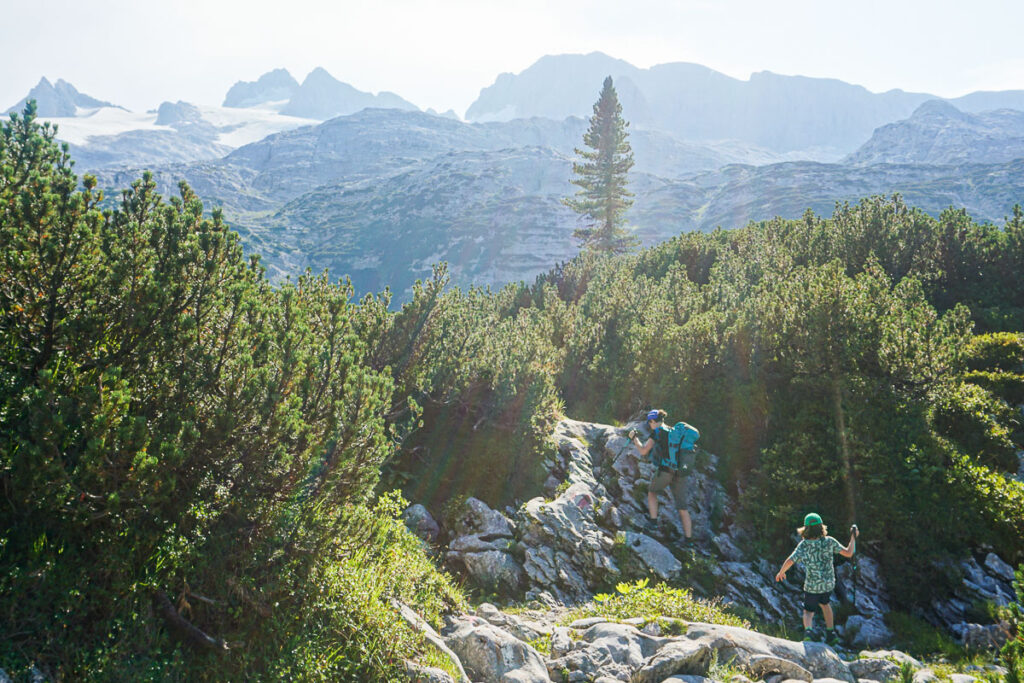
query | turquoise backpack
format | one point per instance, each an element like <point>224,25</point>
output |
<point>681,453</point>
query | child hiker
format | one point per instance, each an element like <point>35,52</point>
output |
<point>815,552</point>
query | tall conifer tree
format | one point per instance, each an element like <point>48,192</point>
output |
<point>602,174</point>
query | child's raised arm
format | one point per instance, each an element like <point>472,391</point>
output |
<point>851,547</point>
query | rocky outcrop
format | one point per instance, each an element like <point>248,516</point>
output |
<point>588,534</point>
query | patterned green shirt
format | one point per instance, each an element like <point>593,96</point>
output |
<point>816,557</point>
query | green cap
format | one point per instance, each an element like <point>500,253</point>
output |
<point>812,519</point>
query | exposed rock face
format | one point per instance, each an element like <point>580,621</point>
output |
<point>483,538</point>
<point>60,99</point>
<point>272,86</point>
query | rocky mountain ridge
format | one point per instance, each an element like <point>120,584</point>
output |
<point>487,197</point>
<point>58,99</point>
<point>693,102</point>
<point>584,532</point>
<point>939,133</point>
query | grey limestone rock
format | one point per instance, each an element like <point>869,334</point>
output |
<point>430,635</point>
<point>678,657</point>
<point>493,655</point>
<point>875,670</point>
<point>477,518</point>
<point>894,655</point>
<point>652,556</point>
<point>739,645</point>
<point>418,673</point>
<point>981,637</point>
<point>421,522</point>
<point>495,570</point>
<point>925,676</point>
<point>763,666</point>
<point>867,631</point>
<point>523,629</point>
<point>998,568</point>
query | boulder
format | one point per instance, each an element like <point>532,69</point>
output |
<point>979,637</point>
<point>523,629</point>
<point>688,679</point>
<point>421,522</point>
<point>495,570</point>
<point>561,642</point>
<point>995,566</point>
<point>740,645</point>
<point>677,657</point>
<point>962,678</point>
<point>875,670</point>
<point>492,655</point>
<point>925,676</point>
<point>652,557</point>
<point>4,678</point>
<point>477,518</point>
<point>893,655</point>
<point>418,673</point>
<point>763,666</point>
<point>867,631</point>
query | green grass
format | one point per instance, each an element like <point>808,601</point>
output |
<point>661,600</point>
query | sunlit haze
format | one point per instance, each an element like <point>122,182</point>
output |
<point>440,54</point>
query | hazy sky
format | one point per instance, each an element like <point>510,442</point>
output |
<point>440,53</point>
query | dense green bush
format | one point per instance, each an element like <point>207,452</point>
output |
<point>181,443</point>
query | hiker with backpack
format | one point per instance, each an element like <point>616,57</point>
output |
<point>816,551</point>
<point>674,454</point>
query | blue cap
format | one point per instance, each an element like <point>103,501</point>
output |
<point>654,415</point>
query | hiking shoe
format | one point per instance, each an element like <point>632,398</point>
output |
<point>831,638</point>
<point>808,635</point>
<point>650,526</point>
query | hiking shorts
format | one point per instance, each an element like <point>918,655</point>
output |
<point>680,491</point>
<point>814,600</point>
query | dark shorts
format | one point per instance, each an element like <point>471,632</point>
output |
<point>814,600</point>
<point>665,478</point>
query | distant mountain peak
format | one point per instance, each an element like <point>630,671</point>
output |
<point>274,86</point>
<point>939,108</point>
<point>322,96</point>
<point>58,100</point>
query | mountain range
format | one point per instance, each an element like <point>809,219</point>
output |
<point>782,113</point>
<point>382,191</point>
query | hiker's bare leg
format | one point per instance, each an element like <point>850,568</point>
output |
<point>826,610</point>
<point>808,619</point>
<point>652,504</point>
<point>687,524</point>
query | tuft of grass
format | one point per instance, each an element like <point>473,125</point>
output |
<point>920,639</point>
<point>637,599</point>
